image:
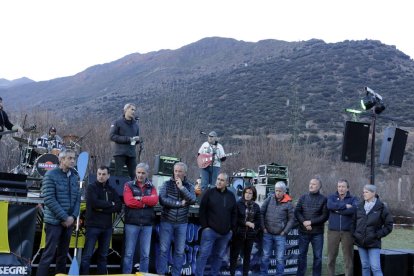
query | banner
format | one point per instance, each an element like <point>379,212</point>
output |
<point>193,246</point>
<point>17,226</point>
<point>81,234</point>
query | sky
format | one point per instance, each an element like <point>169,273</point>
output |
<point>47,39</point>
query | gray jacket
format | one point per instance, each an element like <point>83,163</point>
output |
<point>121,132</point>
<point>278,216</point>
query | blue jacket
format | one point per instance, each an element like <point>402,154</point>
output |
<point>61,195</point>
<point>340,217</point>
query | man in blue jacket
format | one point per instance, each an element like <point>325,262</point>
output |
<point>61,195</point>
<point>175,196</point>
<point>341,206</point>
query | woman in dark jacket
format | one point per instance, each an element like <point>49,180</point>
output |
<point>248,226</point>
<point>372,221</point>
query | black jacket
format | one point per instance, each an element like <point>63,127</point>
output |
<point>218,210</point>
<point>4,122</point>
<point>101,202</point>
<point>170,198</point>
<point>245,213</point>
<point>369,228</point>
<point>121,132</point>
<point>312,207</point>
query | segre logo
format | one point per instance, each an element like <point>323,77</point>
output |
<point>17,270</point>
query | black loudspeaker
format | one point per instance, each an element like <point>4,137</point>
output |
<point>13,184</point>
<point>164,165</point>
<point>116,182</point>
<point>355,142</point>
<point>393,262</point>
<point>393,146</point>
<point>112,168</point>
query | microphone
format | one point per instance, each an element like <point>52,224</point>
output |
<point>136,118</point>
<point>202,132</point>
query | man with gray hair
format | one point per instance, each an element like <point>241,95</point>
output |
<point>175,196</point>
<point>311,213</point>
<point>278,219</point>
<point>61,195</point>
<point>124,134</point>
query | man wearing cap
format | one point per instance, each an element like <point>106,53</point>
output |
<point>4,121</point>
<point>213,148</point>
<point>52,141</point>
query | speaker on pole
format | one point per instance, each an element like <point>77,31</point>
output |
<point>393,146</point>
<point>355,142</point>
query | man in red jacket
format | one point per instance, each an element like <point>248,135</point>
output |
<point>140,197</point>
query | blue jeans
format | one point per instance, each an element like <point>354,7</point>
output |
<point>317,245</point>
<point>215,244</point>
<point>209,177</point>
<point>177,233</point>
<point>56,236</point>
<point>132,234</point>
<point>103,236</point>
<point>370,260</point>
<point>270,243</point>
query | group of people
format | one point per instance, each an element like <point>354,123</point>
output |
<point>222,217</point>
<point>223,220</point>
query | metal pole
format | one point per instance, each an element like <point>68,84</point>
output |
<point>374,118</point>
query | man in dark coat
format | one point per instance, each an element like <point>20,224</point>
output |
<point>175,196</point>
<point>4,121</point>
<point>311,213</point>
<point>125,135</point>
<point>101,202</point>
<point>218,219</point>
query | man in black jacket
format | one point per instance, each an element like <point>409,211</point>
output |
<point>4,121</point>
<point>218,219</point>
<point>125,135</point>
<point>101,202</point>
<point>175,196</point>
<point>311,213</point>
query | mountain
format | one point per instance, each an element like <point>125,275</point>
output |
<point>237,87</point>
<point>6,83</point>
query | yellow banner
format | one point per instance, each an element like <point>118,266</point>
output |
<point>4,227</point>
<point>81,235</point>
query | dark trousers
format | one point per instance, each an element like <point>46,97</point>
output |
<point>130,162</point>
<point>103,237</point>
<point>317,246</point>
<point>56,236</point>
<point>236,246</point>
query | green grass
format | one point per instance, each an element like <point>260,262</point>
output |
<point>397,239</point>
